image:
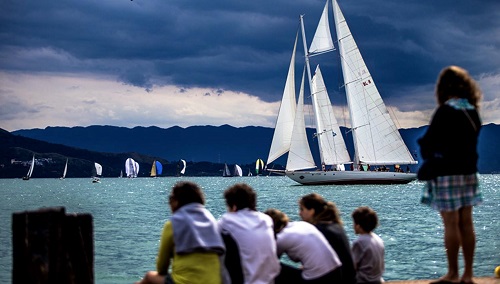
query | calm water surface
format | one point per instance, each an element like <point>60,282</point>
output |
<point>129,214</point>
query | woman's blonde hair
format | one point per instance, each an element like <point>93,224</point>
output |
<point>454,81</point>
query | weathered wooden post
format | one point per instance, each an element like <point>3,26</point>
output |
<point>52,247</point>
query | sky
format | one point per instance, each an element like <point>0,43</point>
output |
<point>184,62</point>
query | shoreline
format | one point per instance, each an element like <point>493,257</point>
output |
<point>477,280</point>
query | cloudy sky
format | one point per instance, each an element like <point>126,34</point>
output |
<point>196,62</point>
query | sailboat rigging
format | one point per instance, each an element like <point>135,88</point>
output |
<point>377,141</point>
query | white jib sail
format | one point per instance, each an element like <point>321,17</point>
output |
<point>286,115</point>
<point>300,156</point>
<point>331,143</point>
<point>322,41</point>
<point>65,169</point>
<point>376,137</point>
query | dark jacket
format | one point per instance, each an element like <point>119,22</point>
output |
<point>453,137</point>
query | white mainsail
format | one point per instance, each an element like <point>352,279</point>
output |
<point>300,156</point>
<point>65,170</point>
<point>30,171</point>
<point>183,166</point>
<point>376,138</point>
<point>284,124</point>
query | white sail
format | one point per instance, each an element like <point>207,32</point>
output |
<point>98,169</point>
<point>376,138</point>
<point>332,146</point>
<point>65,170</point>
<point>237,171</point>
<point>183,166</point>
<point>136,169</point>
<point>30,170</point>
<point>300,156</point>
<point>286,115</point>
<point>226,172</point>
<point>130,167</point>
<point>322,41</point>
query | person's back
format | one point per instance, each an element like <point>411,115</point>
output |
<point>301,241</point>
<point>337,238</point>
<point>250,245</point>
<point>190,241</point>
<point>368,249</point>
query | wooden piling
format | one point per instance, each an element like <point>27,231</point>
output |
<point>50,246</point>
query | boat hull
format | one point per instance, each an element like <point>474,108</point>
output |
<point>350,177</point>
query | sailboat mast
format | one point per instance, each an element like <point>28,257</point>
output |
<point>308,67</point>
<point>306,51</point>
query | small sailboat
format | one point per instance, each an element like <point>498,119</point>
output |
<point>121,174</point>
<point>237,171</point>
<point>377,141</point>
<point>259,166</point>
<point>98,173</point>
<point>156,169</point>
<point>250,173</point>
<point>131,168</point>
<point>226,172</point>
<point>30,171</point>
<point>183,165</point>
<point>65,170</point>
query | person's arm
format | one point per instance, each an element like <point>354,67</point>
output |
<point>166,249</point>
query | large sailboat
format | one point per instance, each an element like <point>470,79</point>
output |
<point>30,171</point>
<point>377,141</point>
<point>131,168</point>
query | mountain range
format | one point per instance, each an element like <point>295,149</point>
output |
<point>215,145</point>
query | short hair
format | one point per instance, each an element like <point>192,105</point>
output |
<point>280,219</point>
<point>185,192</point>
<point>324,211</point>
<point>242,196</point>
<point>454,81</point>
<point>365,217</point>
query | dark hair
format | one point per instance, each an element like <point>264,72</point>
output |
<point>366,218</point>
<point>454,81</point>
<point>280,220</point>
<point>241,195</point>
<point>323,211</point>
<point>185,192</point>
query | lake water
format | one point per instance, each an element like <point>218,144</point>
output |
<point>128,216</point>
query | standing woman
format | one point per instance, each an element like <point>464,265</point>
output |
<point>451,142</point>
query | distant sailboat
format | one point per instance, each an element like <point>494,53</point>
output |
<point>30,171</point>
<point>226,172</point>
<point>65,170</point>
<point>183,165</point>
<point>98,173</point>
<point>259,166</point>
<point>121,174</point>
<point>250,173</point>
<point>237,171</point>
<point>131,168</point>
<point>156,169</point>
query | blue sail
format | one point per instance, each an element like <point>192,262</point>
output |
<point>159,168</point>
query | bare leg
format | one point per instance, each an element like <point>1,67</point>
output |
<point>451,243</point>
<point>468,238</point>
<point>152,277</point>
